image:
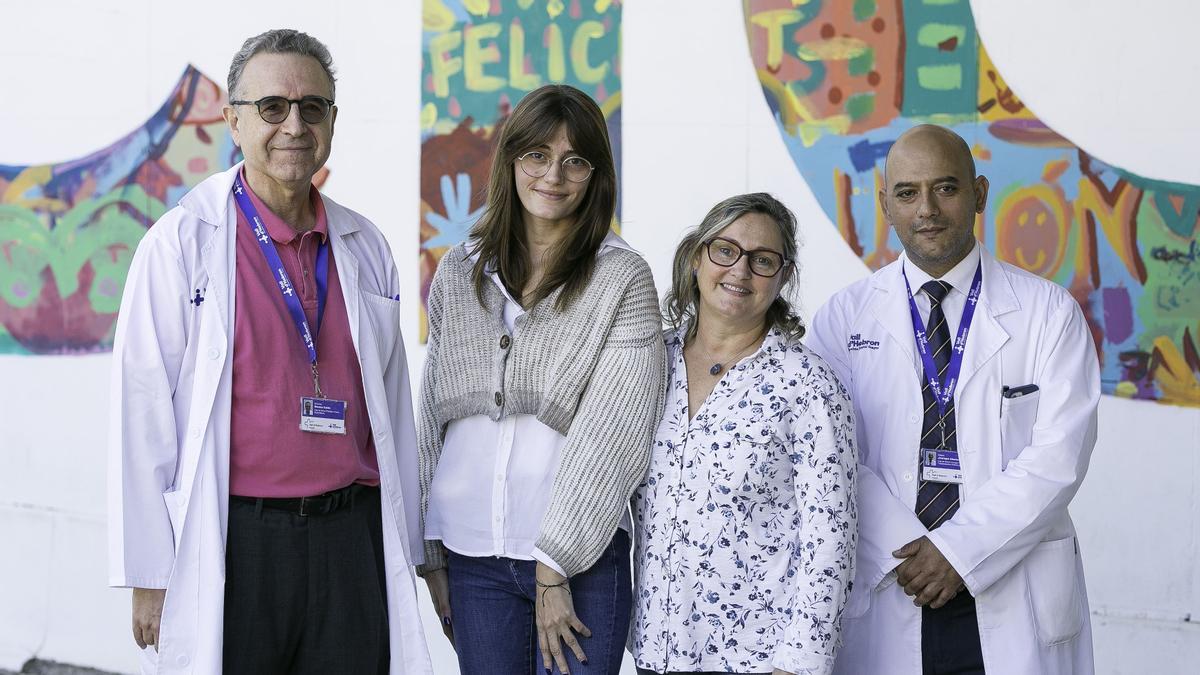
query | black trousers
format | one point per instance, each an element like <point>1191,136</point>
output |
<point>950,638</point>
<point>306,594</point>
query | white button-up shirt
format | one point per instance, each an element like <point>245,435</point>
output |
<point>747,519</point>
<point>494,479</point>
<point>959,277</point>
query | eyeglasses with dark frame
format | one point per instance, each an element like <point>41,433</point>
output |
<point>536,164</point>
<point>275,109</point>
<point>763,261</point>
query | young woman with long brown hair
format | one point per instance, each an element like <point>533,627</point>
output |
<point>542,386</point>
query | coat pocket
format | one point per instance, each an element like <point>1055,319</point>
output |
<point>859,601</point>
<point>384,317</point>
<point>176,502</point>
<point>1050,572</point>
<point>1017,416</point>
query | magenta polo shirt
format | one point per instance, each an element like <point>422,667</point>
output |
<point>268,454</point>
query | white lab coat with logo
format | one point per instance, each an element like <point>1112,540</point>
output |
<point>1012,539</point>
<point>169,429</point>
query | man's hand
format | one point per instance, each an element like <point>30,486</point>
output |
<point>147,613</point>
<point>926,575</point>
<point>439,589</point>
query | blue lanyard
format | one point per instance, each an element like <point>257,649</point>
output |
<point>255,223</point>
<point>943,392</point>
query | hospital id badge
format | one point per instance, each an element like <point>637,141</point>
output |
<point>941,466</point>
<point>322,415</point>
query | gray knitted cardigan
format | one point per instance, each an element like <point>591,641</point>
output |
<point>595,373</point>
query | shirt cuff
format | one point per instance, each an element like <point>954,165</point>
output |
<point>801,662</point>
<point>540,556</point>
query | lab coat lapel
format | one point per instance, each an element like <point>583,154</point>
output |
<point>890,308</point>
<point>987,336</point>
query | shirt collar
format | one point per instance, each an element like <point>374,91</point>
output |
<point>959,277</point>
<point>279,230</point>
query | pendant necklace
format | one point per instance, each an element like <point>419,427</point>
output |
<point>720,365</point>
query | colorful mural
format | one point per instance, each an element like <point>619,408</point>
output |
<point>68,230</point>
<point>479,58</point>
<point>844,79</point>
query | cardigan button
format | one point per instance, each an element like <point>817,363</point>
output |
<point>499,398</point>
<point>505,341</point>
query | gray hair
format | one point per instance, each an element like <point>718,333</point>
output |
<point>280,41</point>
<point>681,303</point>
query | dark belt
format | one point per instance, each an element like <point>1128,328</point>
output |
<point>317,505</point>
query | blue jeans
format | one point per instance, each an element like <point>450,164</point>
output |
<point>492,601</point>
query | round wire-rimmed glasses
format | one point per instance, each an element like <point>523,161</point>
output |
<point>536,164</point>
<point>275,109</point>
<point>763,261</point>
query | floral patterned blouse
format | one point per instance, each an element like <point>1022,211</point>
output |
<point>746,522</point>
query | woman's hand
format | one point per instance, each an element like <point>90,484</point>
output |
<point>556,620</point>
<point>439,589</point>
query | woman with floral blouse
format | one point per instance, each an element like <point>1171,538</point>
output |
<point>746,522</point>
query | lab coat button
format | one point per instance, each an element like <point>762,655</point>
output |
<point>214,353</point>
<point>182,660</point>
<point>913,419</point>
<point>908,476</point>
<point>196,432</point>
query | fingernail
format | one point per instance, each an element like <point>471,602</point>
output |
<point>445,620</point>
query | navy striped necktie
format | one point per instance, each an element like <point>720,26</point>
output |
<point>937,502</point>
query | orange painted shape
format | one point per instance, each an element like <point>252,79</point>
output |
<point>1031,229</point>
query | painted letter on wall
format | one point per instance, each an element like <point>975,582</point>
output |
<point>844,79</point>
<point>480,57</point>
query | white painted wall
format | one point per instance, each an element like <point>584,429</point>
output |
<point>1117,80</point>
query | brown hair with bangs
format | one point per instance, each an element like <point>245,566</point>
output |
<point>499,234</point>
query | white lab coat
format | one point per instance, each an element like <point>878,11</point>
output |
<point>1012,539</point>
<point>169,429</point>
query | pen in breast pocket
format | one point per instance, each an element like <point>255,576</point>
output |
<point>1017,392</point>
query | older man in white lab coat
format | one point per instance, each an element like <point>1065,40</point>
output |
<point>264,500</point>
<point>975,384</point>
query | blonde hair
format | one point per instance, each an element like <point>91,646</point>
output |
<point>680,305</point>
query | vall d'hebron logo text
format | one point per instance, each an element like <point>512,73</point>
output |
<point>857,342</point>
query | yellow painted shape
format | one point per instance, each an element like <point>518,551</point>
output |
<point>832,49</point>
<point>442,66</point>
<point>554,8</point>
<point>436,17</point>
<point>477,7</point>
<point>611,104</point>
<point>798,120</point>
<point>602,6</point>
<point>1176,381</point>
<point>556,64</point>
<point>585,71</point>
<point>517,77</point>
<point>32,177</point>
<point>428,116</point>
<point>773,21</point>
<point>476,56</point>
<point>985,91</point>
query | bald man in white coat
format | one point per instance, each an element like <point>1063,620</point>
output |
<point>985,573</point>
